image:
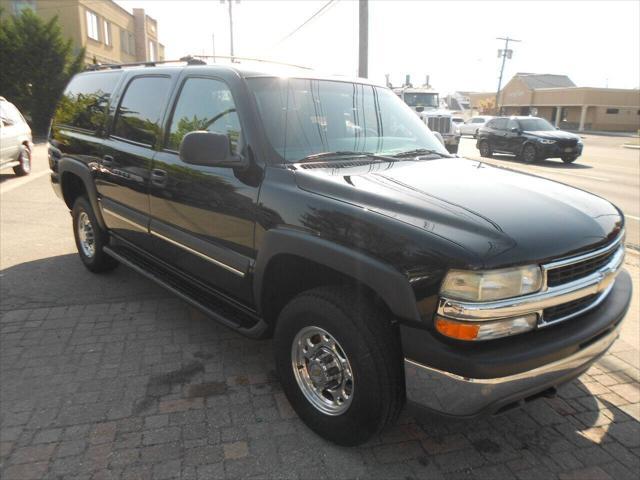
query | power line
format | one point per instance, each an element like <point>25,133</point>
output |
<point>322,9</point>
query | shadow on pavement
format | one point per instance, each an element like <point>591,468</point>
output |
<point>63,280</point>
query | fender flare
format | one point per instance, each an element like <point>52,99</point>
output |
<point>81,170</point>
<point>389,283</point>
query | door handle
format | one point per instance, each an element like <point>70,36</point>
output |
<point>107,160</point>
<point>159,177</point>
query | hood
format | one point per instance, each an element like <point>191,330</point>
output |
<point>436,113</point>
<point>503,217</point>
<point>553,134</point>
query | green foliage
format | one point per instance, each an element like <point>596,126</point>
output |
<point>36,62</point>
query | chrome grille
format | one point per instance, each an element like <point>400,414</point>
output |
<point>439,124</point>
<point>574,271</point>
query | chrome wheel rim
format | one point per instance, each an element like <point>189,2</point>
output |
<point>322,370</point>
<point>85,235</point>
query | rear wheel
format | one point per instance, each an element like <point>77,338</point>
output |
<point>25,162</point>
<point>485,149</point>
<point>90,238</point>
<point>529,153</point>
<point>569,158</point>
<point>338,358</point>
<point>452,148</point>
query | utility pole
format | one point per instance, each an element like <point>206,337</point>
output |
<point>213,47</point>
<point>230,2</point>
<point>363,50</point>
<point>506,53</point>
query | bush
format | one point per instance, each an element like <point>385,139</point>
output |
<point>37,62</point>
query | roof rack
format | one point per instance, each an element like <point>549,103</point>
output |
<point>189,60</point>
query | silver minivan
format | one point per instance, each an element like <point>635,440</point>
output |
<point>15,139</point>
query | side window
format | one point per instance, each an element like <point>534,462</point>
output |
<point>10,114</point>
<point>84,102</point>
<point>204,104</point>
<point>477,120</point>
<point>138,116</point>
<point>500,124</point>
<point>512,124</point>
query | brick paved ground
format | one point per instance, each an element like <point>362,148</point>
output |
<point>153,390</point>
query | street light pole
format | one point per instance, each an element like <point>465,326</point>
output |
<point>230,2</point>
<point>363,47</point>
<point>505,53</point>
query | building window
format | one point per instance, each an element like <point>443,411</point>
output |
<point>20,5</point>
<point>152,51</point>
<point>92,26</point>
<point>127,42</point>
<point>107,33</point>
<point>613,110</point>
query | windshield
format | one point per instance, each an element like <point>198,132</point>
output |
<point>304,117</point>
<point>417,99</point>
<point>535,124</point>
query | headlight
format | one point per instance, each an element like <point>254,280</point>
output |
<point>547,142</point>
<point>492,284</point>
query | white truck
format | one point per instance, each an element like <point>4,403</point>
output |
<point>425,101</point>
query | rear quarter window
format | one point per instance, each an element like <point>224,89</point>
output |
<point>85,100</point>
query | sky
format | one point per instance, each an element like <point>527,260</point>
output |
<point>595,43</point>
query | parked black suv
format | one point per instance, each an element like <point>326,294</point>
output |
<point>323,212</point>
<point>529,138</point>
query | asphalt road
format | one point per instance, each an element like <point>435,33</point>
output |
<point>605,168</point>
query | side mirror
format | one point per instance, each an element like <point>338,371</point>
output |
<point>419,108</point>
<point>439,137</point>
<point>208,149</point>
<point>515,130</point>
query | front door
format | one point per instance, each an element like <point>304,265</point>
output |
<point>125,163</point>
<point>203,217</point>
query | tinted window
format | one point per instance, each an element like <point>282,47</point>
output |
<point>535,124</point>
<point>499,124</point>
<point>84,102</point>
<point>138,116</point>
<point>613,110</point>
<point>477,120</point>
<point>512,124</point>
<point>204,104</point>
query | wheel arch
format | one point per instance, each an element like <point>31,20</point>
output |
<point>76,180</point>
<point>287,256</point>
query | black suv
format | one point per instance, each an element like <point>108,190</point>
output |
<point>324,212</point>
<point>529,138</point>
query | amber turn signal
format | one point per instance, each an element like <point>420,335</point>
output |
<point>458,330</point>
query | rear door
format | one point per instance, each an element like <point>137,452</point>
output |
<point>127,153</point>
<point>514,139</point>
<point>497,136</point>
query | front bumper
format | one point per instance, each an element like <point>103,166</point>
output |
<point>487,378</point>
<point>556,151</point>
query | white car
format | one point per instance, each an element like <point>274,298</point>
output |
<point>15,139</point>
<point>471,126</point>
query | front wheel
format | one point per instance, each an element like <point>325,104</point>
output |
<point>569,158</point>
<point>25,162</point>
<point>338,358</point>
<point>529,153</point>
<point>452,148</point>
<point>90,238</point>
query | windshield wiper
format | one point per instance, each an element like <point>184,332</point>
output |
<point>344,153</point>
<point>420,151</point>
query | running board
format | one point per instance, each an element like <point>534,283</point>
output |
<point>213,306</point>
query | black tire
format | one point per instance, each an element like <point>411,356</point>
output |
<point>25,162</point>
<point>99,261</point>
<point>475,135</point>
<point>569,158</point>
<point>529,153</point>
<point>452,149</point>
<point>485,149</point>
<point>371,345</point>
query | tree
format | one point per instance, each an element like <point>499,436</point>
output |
<point>36,64</point>
<point>487,106</point>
